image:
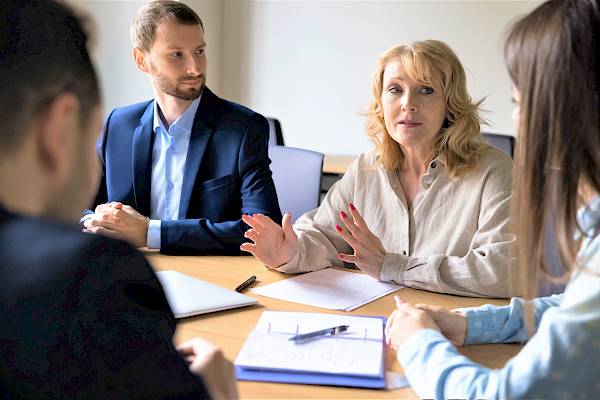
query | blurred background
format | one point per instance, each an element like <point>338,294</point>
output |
<point>309,63</point>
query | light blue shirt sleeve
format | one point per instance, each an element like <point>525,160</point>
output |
<point>492,324</point>
<point>561,360</point>
<point>153,237</point>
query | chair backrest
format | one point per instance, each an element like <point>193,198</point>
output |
<point>503,142</point>
<point>297,176</point>
<point>275,133</point>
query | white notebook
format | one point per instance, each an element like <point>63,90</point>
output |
<point>189,296</point>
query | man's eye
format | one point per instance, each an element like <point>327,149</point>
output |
<point>426,90</point>
<point>200,52</point>
<point>176,54</point>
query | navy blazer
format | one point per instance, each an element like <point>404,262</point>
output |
<point>226,173</point>
<point>83,316</point>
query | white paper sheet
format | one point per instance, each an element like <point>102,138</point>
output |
<point>329,288</point>
<point>358,351</point>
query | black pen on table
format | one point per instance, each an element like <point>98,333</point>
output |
<point>246,283</point>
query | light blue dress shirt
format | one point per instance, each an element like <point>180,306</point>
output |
<point>560,360</point>
<point>169,153</point>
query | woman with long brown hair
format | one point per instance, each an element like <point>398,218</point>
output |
<point>428,207</point>
<point>552,56</point>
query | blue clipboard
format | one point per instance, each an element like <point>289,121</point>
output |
<point>311,378</point>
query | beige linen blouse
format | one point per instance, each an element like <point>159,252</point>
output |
<point>454,239</point>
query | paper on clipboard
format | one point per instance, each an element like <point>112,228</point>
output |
<point>358,352</point>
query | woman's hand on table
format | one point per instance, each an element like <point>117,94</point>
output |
<point>409,318</point>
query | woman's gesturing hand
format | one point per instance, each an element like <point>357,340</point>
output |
<point>368,250</point>
<point>273,245</point>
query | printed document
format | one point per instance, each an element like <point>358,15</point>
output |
<point>329,288</point>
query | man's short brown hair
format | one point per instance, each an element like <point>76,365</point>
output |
<point>147,19</point>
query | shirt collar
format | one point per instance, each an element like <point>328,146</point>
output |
<point>589,217</point>
<point>184,122</point>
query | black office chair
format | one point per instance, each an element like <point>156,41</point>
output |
<point>502,142</point>
<point>275,134</point>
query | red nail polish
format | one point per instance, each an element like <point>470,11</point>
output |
<point>352,207</point>
<point>338,228</point>
<point>343,214</point>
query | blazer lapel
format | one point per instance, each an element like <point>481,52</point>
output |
<point>202,131</point>
<point>142,161</point>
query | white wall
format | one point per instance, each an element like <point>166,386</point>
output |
<point>309,63</point>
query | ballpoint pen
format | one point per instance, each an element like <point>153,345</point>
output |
<point>316,334</point>
<point>246,283</point>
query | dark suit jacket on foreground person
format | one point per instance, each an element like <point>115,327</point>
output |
<point>83,316</point>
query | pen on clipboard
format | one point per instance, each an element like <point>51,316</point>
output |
<point>323,332</point>
<point>246,283</point>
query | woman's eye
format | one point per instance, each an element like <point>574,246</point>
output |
<point>177,54</point>
<point>394,89</point>
<point>426,90</point>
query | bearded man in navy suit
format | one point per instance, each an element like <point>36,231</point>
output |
<point>182,169</point>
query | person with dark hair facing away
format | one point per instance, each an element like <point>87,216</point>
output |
<point>83,316</point>
<point>182,169</point>
<point>553,58</point>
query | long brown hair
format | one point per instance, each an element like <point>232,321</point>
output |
<point>552,57</point>
<point>459,141</point>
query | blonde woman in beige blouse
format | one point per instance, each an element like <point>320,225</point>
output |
<point>428,207</point>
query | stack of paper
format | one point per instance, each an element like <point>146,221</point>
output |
<point>352,358</point>
<point>329,288</point>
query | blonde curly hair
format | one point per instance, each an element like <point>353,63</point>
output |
<point>458,144</point>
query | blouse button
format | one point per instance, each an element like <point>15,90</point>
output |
<point>403,252</point>
<point>433,164</point>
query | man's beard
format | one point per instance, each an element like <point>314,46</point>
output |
<point>173,89</point>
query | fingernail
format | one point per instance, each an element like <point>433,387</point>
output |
<point>338,228</point>
<point>343,214</point>
<point>352,207</point>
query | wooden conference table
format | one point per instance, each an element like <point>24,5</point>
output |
<point>229,329</point>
